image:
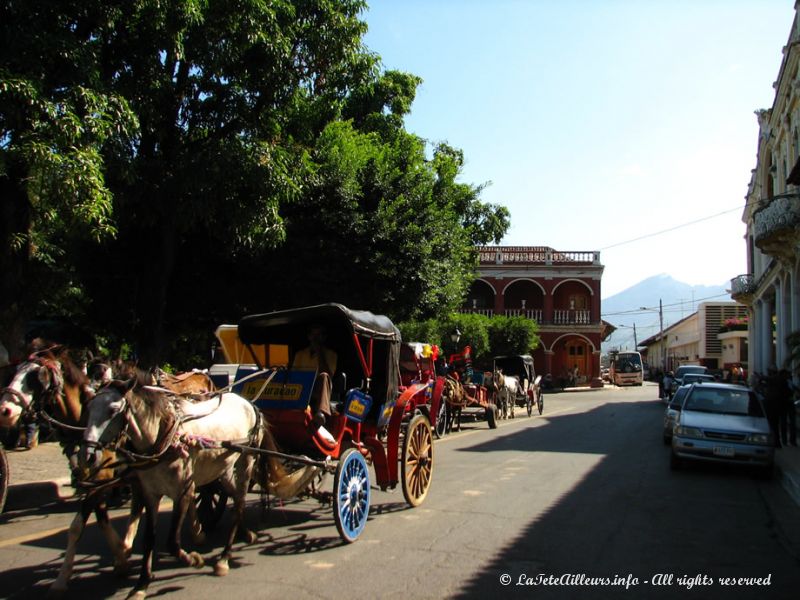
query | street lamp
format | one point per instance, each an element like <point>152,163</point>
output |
<point>455,336</point>
<point>661,345</point>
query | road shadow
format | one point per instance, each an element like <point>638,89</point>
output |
<point>629,515</point>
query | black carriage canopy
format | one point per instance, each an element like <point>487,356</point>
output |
<point>519,366</point>
<point>290,328</point>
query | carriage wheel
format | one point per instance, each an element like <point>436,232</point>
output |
<point>351,495</point>
<point>441,420</point>
<point>417,465</point>
<point>491,416</point>
<point>3,479</point>
<point>211,501</point>
<point>540,401</point>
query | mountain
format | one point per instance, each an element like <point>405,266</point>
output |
<point>678,300</point>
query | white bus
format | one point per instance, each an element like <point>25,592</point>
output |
<point>626,368</point>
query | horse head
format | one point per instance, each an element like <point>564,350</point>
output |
<point>128,407</point>
<point>34,378</point>
<point>106,421</point>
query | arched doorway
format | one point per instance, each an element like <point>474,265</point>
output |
<point>570,351</point>
<point>578,354</point>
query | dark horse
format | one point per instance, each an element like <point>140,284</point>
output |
<point>50,387</point>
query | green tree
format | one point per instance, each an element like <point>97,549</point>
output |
<point>54,123</point>
<point>203,111</point>
<point>510,336</point>
<point>379,225</point>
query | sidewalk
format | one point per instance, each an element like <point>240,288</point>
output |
<point>37,477</point>
<point>787,460</point>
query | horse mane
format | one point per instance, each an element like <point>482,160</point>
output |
<point>73,374</point>
<point>153,400</point>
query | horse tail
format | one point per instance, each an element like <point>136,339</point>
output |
<point>270,468</point>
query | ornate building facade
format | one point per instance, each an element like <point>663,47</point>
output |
<point>560,290</point>
<point>771,286</point>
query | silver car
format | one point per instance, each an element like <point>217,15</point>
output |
<point>725,423</point>
<point>672,411</point>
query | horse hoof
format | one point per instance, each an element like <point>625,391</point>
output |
<point>137,595</point>
<point>221,568</point>
<point>196,560</point>
<point>250,537</point>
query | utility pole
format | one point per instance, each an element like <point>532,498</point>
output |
<point>635,342</point>
<point>661,345</point>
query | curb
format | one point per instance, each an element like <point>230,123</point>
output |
<point>790,481</point>
<point>35,494</point>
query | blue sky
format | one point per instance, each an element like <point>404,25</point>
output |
<point>599,121</point>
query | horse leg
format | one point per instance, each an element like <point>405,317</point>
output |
<point>137,506</point>
<point>238,490</point>
<point>179,509</point>
<point>59,586</point>
<point>146,574</point>
<point>113,539</point>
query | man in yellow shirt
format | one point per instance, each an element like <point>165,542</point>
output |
<point>317,356</point>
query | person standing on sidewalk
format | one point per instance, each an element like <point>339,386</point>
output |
<point>787,420</point>
<point>772,388</point>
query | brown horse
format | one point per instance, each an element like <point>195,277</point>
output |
<point>456,398</point>
<point>188,382</point>
<point>50,387</point>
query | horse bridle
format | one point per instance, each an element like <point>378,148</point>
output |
<point>55,387</point>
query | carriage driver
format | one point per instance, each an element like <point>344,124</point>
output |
<point>317,356</point>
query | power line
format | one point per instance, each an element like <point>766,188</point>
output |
<point>676,305</point>
<point>700,220</point>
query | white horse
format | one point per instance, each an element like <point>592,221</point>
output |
<point>506,387</point>
<point>180,440</point>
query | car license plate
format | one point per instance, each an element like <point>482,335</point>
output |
<point>723,451</point>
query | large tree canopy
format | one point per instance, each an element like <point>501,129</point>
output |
<point>167,164</point>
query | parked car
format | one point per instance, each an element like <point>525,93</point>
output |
<point>725,423</point>
<point>672,411</point>
<point>686,369</point>
<point>697,377</point>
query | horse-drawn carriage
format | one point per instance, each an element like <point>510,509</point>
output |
<point>418,365</point>
<point>518,384</point>
<point>376,415</point>
<point>469,393</point>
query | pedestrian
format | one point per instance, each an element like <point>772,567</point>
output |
<point>787,418</point>
<point>667,385</point>
<point>773,389</point>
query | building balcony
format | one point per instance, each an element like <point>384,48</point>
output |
<point>572,317</point>
<point>560,316</point>
<point>743,287</point>
<point>528,313</point>
<point>776,226</point>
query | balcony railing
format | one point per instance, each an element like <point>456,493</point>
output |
<point>743,287</point>
<point>536,255</point>
<point>572,317</point>
<point>776,226</point>
<point>560,316</point>
<point>528,313</point>
<point>487,312</point>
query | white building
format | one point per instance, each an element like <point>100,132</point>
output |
<point>697,339</point>
<point>771,286</point>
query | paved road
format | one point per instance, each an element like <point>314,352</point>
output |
<point>583,492</point>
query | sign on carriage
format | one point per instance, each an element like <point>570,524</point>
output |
<point>288,389</point>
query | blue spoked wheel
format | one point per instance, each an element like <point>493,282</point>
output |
<point>351,495</point>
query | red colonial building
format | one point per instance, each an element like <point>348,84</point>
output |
<point>560,290</point>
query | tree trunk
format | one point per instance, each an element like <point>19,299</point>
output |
<point>15,220</point>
